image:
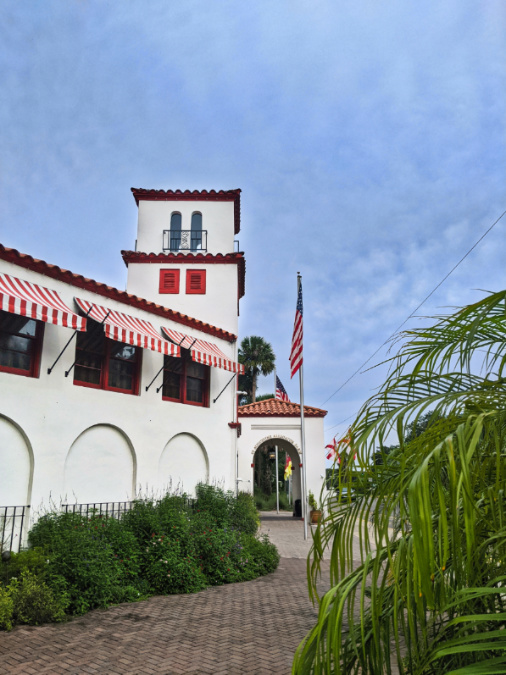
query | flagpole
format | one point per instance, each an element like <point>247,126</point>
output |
<point>302,434</point>
<point>277,481</point>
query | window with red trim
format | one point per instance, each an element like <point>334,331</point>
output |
<point>185,381</point>
<point>169,281</point>
<point>20,344</point>
<point>196,282</point>
<point>102,363</point>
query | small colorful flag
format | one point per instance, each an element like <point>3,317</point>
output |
<point>296,353</point>
<point>336,445</point>
<point>281,394</point>
<point>288,467</point>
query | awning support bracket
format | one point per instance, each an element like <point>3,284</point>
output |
<point>67,372</point>
<point>158,373</point>
<point>221,392</point>
<point>69,341</point>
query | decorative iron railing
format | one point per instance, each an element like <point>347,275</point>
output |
<point>12,519</point>
<point>185,240</point>
<point>106,509</point>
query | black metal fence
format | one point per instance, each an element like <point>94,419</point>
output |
<point>12,519</point>
<point>106,509</point>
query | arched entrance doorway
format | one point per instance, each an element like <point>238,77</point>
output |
<point>264,472</point>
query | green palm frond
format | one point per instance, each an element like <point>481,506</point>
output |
<point>427,592</point>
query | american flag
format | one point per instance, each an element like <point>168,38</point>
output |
<point>281,394</point>
<point>296,353</point>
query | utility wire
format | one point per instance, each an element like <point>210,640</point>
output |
<point>414,311</point>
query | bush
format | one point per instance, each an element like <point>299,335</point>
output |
<point>34,602</point>
<point>172,545</point>
<point>6,609</point>
<point>244,514</point>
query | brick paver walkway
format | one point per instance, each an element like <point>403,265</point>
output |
<point>252,627</point>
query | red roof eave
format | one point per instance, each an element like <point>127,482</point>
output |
<point>53,271</point>
<point>197,259</point>
<point>193,195</point>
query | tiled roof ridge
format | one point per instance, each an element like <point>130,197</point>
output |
<point>193,195</point>
<point>53,271</point>
<point>273,407</point>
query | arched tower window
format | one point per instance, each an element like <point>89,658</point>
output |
<point>175,232</point>
<point>196,232</point>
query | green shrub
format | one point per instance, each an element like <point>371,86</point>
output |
<point>264,556</point>
<point>6,609</point>
<point>268,502</point>
<point>80,553</point>
<point>33,560</point>
<point>170,568</point>
<point>244,514</point>
<point>34,602</point>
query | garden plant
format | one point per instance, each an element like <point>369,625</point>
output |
<point>427,596</point>
<point>171,545</point>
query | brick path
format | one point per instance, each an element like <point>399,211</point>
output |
<point>247,628</point>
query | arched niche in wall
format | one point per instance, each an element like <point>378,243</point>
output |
<point>183,463</point>
<point>100,467</point>
<point>16,465</point>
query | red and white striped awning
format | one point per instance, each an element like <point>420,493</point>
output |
<point>203,352</point>
<point>36,302</point>
<point>128,329</point>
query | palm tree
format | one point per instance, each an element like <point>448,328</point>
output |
<point>427,594</point>
<point>258,359</point>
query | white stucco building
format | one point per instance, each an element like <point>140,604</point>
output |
<point>105,393</point>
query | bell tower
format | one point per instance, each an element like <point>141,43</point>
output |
<point>185,258</point>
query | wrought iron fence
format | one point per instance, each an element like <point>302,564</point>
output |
<point>12,519</point>
<point>106,509</point>
<point>185,240</point>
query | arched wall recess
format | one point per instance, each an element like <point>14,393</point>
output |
<point>16,464</point>
<point>183,463</point>
<point>101,466</point>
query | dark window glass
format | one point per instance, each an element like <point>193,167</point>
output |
<point>196,232</point>
<point>175,232</point>
<point>105,363</point>
<point>20,343</point>
<point>184,380</point>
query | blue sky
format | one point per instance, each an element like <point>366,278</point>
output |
<point>368,139</point>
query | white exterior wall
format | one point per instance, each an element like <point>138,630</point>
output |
<point>218,306</point>
<point>101,445</point>
<point>217,219</point>
<point>285,432</point>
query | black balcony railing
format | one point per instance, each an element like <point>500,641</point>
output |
<point>185,240</point>
<point>12,519</point>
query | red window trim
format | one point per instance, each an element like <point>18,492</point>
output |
<point>34,370</point>
<point>201,274</point>
<point>182,398</point>
<point>104,372</point>
<point>164,274</point>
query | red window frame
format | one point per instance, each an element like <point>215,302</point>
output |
<point>169,281</point>
<point>34,341</point>
<point>183,367</point>
<point>105,356</point>
<point>195,282</point>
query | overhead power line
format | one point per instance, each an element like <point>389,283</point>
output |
<point>414,311</point>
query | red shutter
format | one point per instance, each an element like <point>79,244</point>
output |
<point>169,281</point>
<point>196,282</point>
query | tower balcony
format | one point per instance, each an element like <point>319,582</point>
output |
<point>185,240</point>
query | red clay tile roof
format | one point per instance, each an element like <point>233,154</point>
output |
<point>23,260</point>
<point>193,259</point>
<point>194,196</point>
<point>272,407</point>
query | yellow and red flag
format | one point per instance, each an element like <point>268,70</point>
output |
<point>288,467</point>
